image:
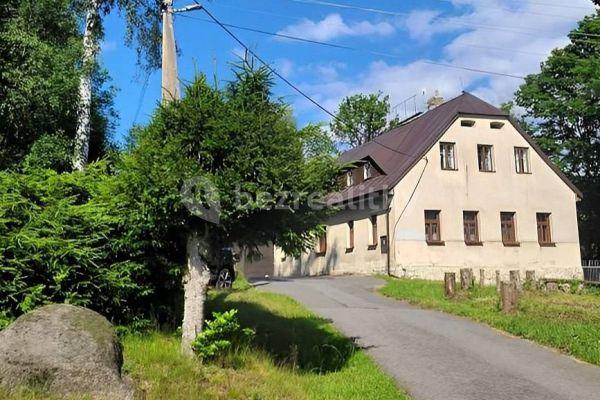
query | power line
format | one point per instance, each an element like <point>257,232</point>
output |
<point>261,12</point>
<point>377,53</point>
<point>294,87</point>
<point>480,5</point>
<point>516,30</point>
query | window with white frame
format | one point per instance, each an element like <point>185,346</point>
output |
<point>367,171</point>
<point>522,160</point>
<point>349,179</point>
<point>485,156</point>
<point>373,238</point>
<point>448,156</point>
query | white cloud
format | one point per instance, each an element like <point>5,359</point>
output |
<point>500,36</point>
<point>333,26</point>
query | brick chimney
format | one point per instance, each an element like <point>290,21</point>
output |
<point>435,101</point>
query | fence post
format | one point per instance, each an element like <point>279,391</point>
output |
<point>515,277</point>
<point>482,277</point>
<point>466,278</point>
<point>530,279</point>
<point>449,284</point>
<point>508,297</point>
<point>498,282</point>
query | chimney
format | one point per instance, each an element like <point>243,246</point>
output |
<point>435,101</point>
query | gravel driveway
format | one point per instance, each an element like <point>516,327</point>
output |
<point>438,356</point>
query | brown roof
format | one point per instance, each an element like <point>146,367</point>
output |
<point>397,151</point>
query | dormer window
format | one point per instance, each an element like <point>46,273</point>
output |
<point>349,179</point>
<point>496,125</point>
<point>367,171</point>
<point>467,122</point>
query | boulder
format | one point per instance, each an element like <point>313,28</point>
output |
<point>65,350</point>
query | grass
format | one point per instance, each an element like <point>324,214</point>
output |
<point>295,355</point>
<point>567,322</point>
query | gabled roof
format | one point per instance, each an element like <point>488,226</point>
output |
<point>398,150</point>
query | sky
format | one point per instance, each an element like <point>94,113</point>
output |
<point>397,47</point>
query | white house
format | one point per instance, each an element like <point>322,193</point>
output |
<point>460,186</point>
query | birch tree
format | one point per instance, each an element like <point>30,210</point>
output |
<point>143,30</point>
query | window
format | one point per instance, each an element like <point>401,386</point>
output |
<point>432,227</point>
<point>373,239</point>
<point>368,171</point>
<point>507,226</point>
<point>322,248</point>
<point>543,229</point>
<point>522,160</point>
<point>467,122</point>
<point>350,238</point>
<point>496,125</point>
<point>447,156</point>
<point>471,227</point>
<point>486,157</point>
<point>349,179</point>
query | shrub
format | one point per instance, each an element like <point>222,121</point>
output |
<point>73,238</point>
<point>220,335</point>
<point>50,152</point>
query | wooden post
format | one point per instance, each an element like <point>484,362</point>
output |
<point>515,277</point>
<point>466,278</point>
<point>530,279</point>
<point>450,284</point>
<point>509,296</point>
<point>498,281</point>
<point>482,277</point>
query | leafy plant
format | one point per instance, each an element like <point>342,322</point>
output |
<point>220,335</point>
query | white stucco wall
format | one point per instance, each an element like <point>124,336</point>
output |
<point>489,193</point>
<point>452,192</point>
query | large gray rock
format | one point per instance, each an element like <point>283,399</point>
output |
<point>65,350</point>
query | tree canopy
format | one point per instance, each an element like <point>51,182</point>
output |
<point>40,49</point>
<point>240,144</point>
<point>361,118</point>
<point>563,101</point>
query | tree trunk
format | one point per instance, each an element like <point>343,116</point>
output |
<point>84,109</point>
<point>509,296</point>
<point>466,278</point>
<point>450,284</point>
<point>195,286</point>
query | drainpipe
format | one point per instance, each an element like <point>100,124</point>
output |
<point>387,230</point>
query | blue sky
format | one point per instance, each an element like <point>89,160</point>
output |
<point>396,50</point>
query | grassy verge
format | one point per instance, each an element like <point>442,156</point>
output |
<point>568,322</point>
<point>295,355</point>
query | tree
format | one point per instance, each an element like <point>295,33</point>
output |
<point>40,48</point>
<point>361,118</point>
<point>317,141</point>
<point>143,28</point>
<point>563,101</point>
<point>238,159</point>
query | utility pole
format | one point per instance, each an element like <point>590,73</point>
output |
<point>196,276</point>
<point>170,81</point>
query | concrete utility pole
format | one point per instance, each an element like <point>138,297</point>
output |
<point>196,277</point>
<point>170,81</point>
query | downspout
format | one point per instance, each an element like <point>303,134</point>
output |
<point>387,230</point>
<point>392,239</point>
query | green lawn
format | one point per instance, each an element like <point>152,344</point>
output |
<point>296,355</point>
<point>565,321</point>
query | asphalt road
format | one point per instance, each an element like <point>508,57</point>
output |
<point>438,356</point>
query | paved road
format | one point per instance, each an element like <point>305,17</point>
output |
<point>438,356</point>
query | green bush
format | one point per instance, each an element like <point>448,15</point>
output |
<point>50,152</point>
<point>222,334</point>
<point>74,238</point>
